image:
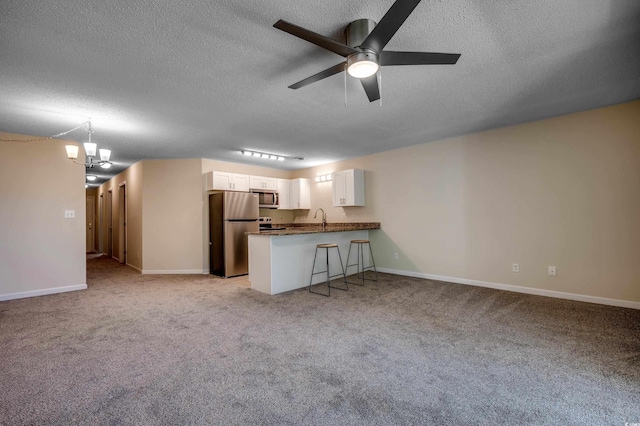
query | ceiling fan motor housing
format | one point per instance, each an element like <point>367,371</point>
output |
<point>358,31</point>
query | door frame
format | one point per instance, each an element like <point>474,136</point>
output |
<point>90,200</point>
<point>110,222</point>
<point>122,222</point>
<point>100,221</point>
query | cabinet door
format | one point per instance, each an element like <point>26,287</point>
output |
<point>270,183</point>
<point>294,194</point>
<point>240,182</point>
<point>300,194</point>
<point>349,199</point>
<point>304,201</point>
<point>284,189</point>
<point>337,183</point>
<point>348,188</point>
<point>256,182</point>
<point>222,180</point>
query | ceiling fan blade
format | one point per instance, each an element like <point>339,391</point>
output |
<point>370,85</point>
<point>315,38</point>
<point>322,74</point>
<point>387,57</point>
<point>389,24</point>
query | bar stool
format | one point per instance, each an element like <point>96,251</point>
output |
<point>360,261</point>
<point>329,286</point>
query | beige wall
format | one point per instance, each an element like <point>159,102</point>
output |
<point>41,252</point>
<point>562,192</point>
<point>172,216</point>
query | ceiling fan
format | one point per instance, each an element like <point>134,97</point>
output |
<point>364,49</point>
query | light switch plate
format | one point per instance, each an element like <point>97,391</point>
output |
<point>69,214</point>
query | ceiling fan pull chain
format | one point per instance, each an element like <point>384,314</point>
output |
<point>345,89</point>
<point>380,85</point>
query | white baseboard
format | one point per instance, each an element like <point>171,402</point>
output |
<point>43,292</point>
<point>518,289</point>
<point>173,272</point>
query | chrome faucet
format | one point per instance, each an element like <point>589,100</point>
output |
<point>324,217</point>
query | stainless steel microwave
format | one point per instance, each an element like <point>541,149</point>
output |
<point>266,199</point>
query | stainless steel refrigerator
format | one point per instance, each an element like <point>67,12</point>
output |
<point>231,215</point>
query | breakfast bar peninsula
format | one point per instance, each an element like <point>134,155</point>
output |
<point>281,260</point>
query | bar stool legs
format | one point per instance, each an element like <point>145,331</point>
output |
<point>329,286</point>
<point>360,262</point>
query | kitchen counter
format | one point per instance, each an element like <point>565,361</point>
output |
<point>281,260</point>
<point>314,228</point>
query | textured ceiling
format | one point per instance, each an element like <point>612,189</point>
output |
<point>164,79</point>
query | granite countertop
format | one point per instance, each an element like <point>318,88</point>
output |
<point>315,228</point>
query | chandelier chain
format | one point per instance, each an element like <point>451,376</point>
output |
<point>85,124</point>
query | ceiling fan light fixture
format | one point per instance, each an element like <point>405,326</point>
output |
<point>362,64</point>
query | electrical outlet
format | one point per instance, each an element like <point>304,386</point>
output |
<point>395,255</point>
<point>552,271</point>
<point>69,214</point>
<point>515,267</point>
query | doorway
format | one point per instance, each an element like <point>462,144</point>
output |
<point>110,223</point>
<point>100,222</point>
<point>90,222</point>
<point>122,223</point>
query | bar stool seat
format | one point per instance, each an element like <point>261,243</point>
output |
<point>328,246</point>
<point>359,264</point>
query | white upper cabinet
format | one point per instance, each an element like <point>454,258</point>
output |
<point>226,181</point>
<point>284,190</point>
<point>348,188</point>
<point>261,182</point>
<point>300,195</point>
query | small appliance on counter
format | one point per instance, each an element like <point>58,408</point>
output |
<point>266,225</point>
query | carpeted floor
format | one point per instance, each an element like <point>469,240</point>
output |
<point>174,350</point>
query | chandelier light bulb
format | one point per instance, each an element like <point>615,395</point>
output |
<point>105,154</point>
<point>72,152</point>
<point>90,149</point>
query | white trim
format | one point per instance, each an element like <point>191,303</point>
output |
<point>518,289</point>
<point>173,271</point>
<point>43,292</point>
